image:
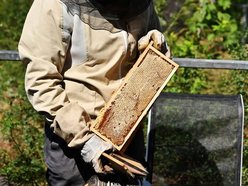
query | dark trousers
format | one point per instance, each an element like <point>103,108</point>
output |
<point>65,166</point>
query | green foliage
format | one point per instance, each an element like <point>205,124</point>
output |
<point>245,162</point>
<point>12,16</point>
<point>188,80</point>
<point>21,128</point>
<point>207,32</point>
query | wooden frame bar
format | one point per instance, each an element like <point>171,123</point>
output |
<point>119,119</point>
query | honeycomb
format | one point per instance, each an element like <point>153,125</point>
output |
<point>130,103</point>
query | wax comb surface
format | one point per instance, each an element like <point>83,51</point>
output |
<point>120,117</point>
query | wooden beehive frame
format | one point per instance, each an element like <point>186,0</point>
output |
<point>101,122</point>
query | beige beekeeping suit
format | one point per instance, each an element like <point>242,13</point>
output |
<point>76,58</point>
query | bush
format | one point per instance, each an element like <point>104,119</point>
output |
<point>22,160</point>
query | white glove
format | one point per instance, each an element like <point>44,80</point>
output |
<point>158,39</point>
<point>92,151</point>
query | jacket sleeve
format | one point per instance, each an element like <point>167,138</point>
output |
<point>43,46</point>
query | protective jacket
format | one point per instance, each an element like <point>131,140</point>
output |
<point>77,54</point>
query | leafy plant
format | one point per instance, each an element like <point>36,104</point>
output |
<point>203,29</point>
<point>12,16</point>
<point>22,161</point>
<point>21,127</point>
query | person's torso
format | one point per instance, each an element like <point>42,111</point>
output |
<point>100,53</point>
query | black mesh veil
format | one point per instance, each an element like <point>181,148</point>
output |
<point>198,140</point>
<point>106,14</point>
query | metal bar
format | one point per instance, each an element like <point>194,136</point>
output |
<point>10,55</point>
<point>150,145</point>
<point>242,111</point>
<point>212,63</point>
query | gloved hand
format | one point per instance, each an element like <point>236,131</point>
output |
<point>159,42</point>
<point>92,151</point>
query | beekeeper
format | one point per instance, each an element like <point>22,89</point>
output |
<point>77,53</point>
